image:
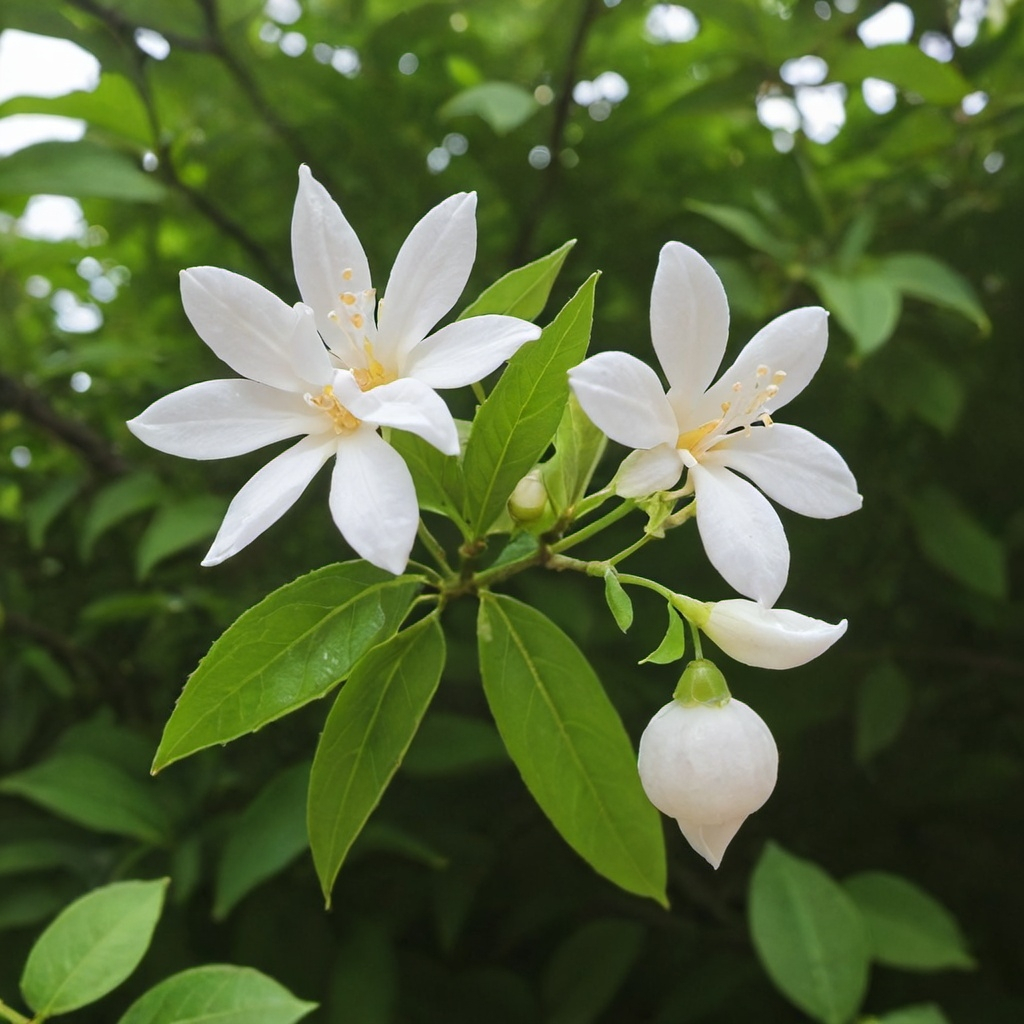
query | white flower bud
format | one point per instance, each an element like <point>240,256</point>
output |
<point>768,637</point>
<point>529,498</point>
<point>708,766</point>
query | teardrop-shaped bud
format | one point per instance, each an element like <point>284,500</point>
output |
<point>708,766</point>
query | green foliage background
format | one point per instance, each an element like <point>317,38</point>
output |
<point>902,748</point>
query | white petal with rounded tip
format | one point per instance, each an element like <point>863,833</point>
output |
<point>269,494</point>
<point>794,342</point>
<point>648,470</point>
<point>324,246</point>
<point>741,533</point>
<point>466,351</point>
<point>769,637</point>
<point>245,325</point>
<point>219,418</point>
<point>404,403</point>
<point>689,319</point>
<point>373,500</point>
<point>625,399</point>
<point>793,467</point>
<point>429,274</point>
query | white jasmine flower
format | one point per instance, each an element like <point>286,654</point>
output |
<point>763,637</point>
<point>717,431</point>
<point>371,376</point>
<point>708,766</point>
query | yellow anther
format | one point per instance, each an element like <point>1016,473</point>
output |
<point>357,321</point>
<point>327,402</point>
<point>692,438</point>
<point>778,376</point>
<point>348,298</point>
<point>762,370</point>
<point>738,386</point>
<point>726,406</point>
<point>333,317</point>
<point>375,374</point>
<point>346,275</point>
<point>771,391</point>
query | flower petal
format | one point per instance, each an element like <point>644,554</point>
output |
<point>429,274</point>
<point>216,419</point>
<point>269,494</point>
<point>324,247</point>
<point>246,326</point>
<point>404,403</point>
<point>769,637</point>
<point>741,533</point>
<point>625,399</point>
<point>373,500</point>
<point>794,343</point>
<point>689,320</point>
<point>466,351</point>
<point>648,470</point>
<point>793,467</point>
<point>711,840</point>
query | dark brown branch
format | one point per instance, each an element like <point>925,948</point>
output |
<point>563,104</point>
<point>96,451</point>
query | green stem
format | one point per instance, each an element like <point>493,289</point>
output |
<point>8,1013</point>
<point>431,543</point>
<point>626,552</point>
<point>698,653</point>
<point>594,528</point>
<point>593,501</point>
<point>502,572</point>
<point>478,390</point>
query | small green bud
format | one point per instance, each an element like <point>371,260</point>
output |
<point>529,499</point>
<point>702,683</point>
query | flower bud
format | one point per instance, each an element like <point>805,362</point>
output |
<point>529,498</point>
<point>708,766</point>
<point>768,637</point>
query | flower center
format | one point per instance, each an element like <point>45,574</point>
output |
<point>375,374</point>
<point>748,407</point>
<point>327,402</point>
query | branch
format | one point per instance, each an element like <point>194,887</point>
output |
<point>96,450</point>
<point>559,121</point>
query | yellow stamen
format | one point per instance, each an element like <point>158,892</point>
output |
<point>375,374</point>
<point>692,438</point>
<point>344,422</point>
<point>346,275</point>
<point>348,298</point>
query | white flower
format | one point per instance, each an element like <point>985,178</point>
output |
<point>716,431</point>
<point>708,766</point>
<point>372,375</point>
<point>763,637</point>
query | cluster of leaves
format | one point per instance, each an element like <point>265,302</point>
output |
<point>901,753</point>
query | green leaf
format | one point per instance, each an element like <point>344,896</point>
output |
<point>177,527</point>
<point>115,503</point>
<point>673,644</point>
<point>867,305</point>
<point>448,744</point>
<point>92,946</point>
<point>217,994</point>
<point>265,839</point>
<point>883,703</point>
<point>522,292</point>
<point>618,601</point>
<point>925,1013</point>
<point>925,277</point>
<point>41,512</point>
<point>579,445</point>
<point>368,731</point>
<point>293,647</point>
<point>746,226</point>
<point>438,477</point>
<point>809,936</point>
<point>31,855</point>
<point>955,542</point>
<point>82,169</point>
<point>503,105</point>
<point>569,744</point>
<point>907,928</point>
<point>94,793</point>
<point>903,64</point>
<point>515,425</point>
<point>588,969</point>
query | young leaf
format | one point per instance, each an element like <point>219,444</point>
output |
<point>673,644</point>
<point>368,731</point>
<point>579,446</point>
<point>289,649</point>
<point>923,1013</point>
<point>867,305</point>
<point>92,946</point>
<point>883,703</point>
<point>115,503</point>
<point>522,292</point>
<point>618,601</point>
<point>217,992</point>
<point>906,926</point>
<point>516,423</point>
<point>904,65</point>
<point>503,105</point>
<point>568,742</point>
<point>177,527</point>
<point>94,793</point>
<point>438,477</point>
<point>925,277</point>
<point>41,512</point>
<point>745,225</point>
<point>265,839</point>
<point>809,936</point>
